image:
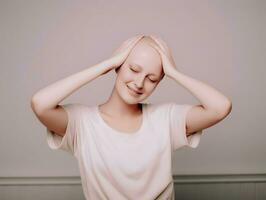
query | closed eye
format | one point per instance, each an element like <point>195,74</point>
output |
<point>133,70</point>
<point>149,79</point>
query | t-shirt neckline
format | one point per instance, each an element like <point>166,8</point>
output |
<point>121,133</point>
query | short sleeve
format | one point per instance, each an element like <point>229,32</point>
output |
<point>177,121</point>
<point>68,142</point>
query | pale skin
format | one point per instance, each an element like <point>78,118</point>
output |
<point>122,110</point>
<point>214,105</point>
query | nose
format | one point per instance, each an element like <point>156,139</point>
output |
<point>140,82</point>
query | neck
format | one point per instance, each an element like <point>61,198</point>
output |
<point>117,107</point>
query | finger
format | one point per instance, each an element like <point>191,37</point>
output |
<point>128,43</point>
<point>136,37</point>
<point>160,40</point>
<point>131,42</point>
<point>161,52</point>
<point>157,46</point>
<point>124,45</point>
<point>161,43</point>
<point>134,42</point>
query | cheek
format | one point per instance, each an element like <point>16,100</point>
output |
<point>123,79</point>
<point>126,75</point>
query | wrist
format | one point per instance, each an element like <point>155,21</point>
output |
<point>106,66</point>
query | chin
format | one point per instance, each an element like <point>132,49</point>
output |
<point>127,95</point>
<point>130,100</point>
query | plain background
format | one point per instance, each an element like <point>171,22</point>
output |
<point>221,43</point>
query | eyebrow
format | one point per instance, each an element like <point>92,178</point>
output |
<point>135,64</point>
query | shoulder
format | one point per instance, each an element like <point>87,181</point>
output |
<point>167,108</point>
<point>159,105</point>
<point>160,108</point>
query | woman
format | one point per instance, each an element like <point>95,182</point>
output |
<point>124,147</point>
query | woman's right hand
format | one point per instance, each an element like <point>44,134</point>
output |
<point>121,53</point>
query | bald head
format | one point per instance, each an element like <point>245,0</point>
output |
<point>144,47</point>
<point>144,55</point>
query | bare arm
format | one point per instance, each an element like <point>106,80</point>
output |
<point>45,102</point>
<point>50,96</point>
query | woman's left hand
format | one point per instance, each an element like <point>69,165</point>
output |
<point>168,62</point>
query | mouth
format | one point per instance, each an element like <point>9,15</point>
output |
<point>133,91</point>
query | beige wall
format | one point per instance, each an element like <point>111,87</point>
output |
<point>218,42</point>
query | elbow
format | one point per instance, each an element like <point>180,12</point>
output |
<point>35,105</point>
<point>225,109</point>
<point>228,107</point>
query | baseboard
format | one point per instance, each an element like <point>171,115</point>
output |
<point>75,180</point>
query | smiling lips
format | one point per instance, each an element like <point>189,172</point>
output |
<point>133,91</point>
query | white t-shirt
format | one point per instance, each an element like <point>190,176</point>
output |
<point>117,165</point>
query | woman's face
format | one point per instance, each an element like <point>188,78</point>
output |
<point>142,71</point>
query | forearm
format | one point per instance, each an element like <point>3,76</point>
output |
<point>210,98</point>
<point>50,96</point>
